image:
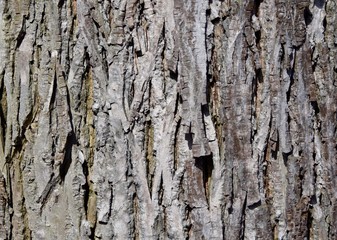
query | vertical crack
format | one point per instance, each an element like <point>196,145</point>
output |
<point>160,191</point>
<point>176,146</point>
<point>307,16</point>
<point>67,160</point>
<point>230,209</point>
<point>309,224</point>
<point>3,113</point>
<point>205,164</point>
<point>243,219</point>
<point>257,4</point>
<point>89,193</point>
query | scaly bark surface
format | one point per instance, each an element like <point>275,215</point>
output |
<point>153,119</point>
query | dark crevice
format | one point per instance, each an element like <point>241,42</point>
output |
<point>208,12</point>
<point>48,190</point>
<point>286,156</point>
<point>216,20</point>
<point>205,113</point>
<point>162,39</point>
<point>324,23</point>
<point>315,107</point>
<point>257,4</point>
<point>206,165</point>
<point>26,124</point>
<point>255,205</point>
<point>300,179</point>
<point>92,233</point>
<point>274,150</point>
<point>265,171</point>
<point>176,105</point>
<point>22,33</point>
<point>124,96</point>
<point>27,231</point>
<point>257,37</point>
<point>309,224</point>
<point>52,100</point>
<point>253,106</point>
<point>290,73</point>
<point>307,16</point>
<point>315,175</point>
<point>319,3</point>
<point>128,159</point>
<point>131,93</point>
<point>64,167</point>
<point>110,200</point>
<point>175,146</point>
<point>96,25</point>
<point>43,15</point>
<point>173,75</point>
<point>205,110</point>
<point>60,3</point>
<point>297,46</point>
<point>161,191</point>
<point>141,9</point>
<point>85,186</point>
<point>243,219</point>
<point>282,54</point>
<point>301,174</point>
<point>259,75</point>
<point>209,79</point>
<point>139,53</point>
<point>3,114</point>
<point>53,150</point>
<point>313,200</point>
<point>329,231</point>
<point>313,61</point>
<point>69,112</point>
<point>19,142</point>
<point>189,138</point>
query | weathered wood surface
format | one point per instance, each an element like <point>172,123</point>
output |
<point>153,119</point>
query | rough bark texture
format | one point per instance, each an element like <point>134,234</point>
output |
<point>168,119</point>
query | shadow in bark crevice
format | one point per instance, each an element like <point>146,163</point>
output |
<point>206,165</point>
<point>307,16</point>
<point>65,165</point>
<point>319,3</point>
<point>257,4</point>
<point>286,157</point>
<point>189,139</point>
<point>255,205</point>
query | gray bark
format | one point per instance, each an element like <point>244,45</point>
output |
<point>153,119</point>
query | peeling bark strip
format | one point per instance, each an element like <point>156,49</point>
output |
<point>153,119</point>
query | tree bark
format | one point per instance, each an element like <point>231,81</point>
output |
<point>153,119</point>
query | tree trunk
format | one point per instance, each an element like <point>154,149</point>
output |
<point>168,119</point>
